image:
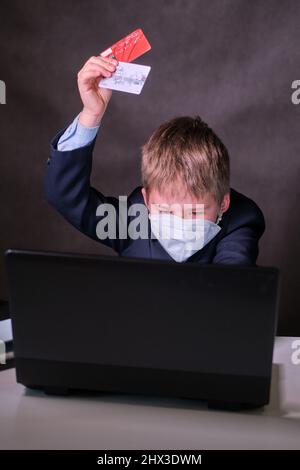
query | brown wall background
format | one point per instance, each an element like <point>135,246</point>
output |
<point>231,61</point>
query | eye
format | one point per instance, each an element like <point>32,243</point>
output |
<point>197,214</point>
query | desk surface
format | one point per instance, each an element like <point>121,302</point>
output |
<point>32,420</point>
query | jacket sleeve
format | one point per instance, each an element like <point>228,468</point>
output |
<point>67,188</point>
<point>240,244</point>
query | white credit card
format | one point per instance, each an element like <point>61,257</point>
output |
<point>128,77</point>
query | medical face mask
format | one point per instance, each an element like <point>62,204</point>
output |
<point>181,237</point>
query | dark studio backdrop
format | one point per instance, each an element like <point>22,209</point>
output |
<point>231,61</point>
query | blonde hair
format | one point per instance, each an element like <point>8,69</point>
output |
<point>185,149</point>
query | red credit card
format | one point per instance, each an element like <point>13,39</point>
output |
<point>128,48</point>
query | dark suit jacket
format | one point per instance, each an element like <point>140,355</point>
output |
<point>67,188</point>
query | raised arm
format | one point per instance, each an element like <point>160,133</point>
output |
<point>67,182</point>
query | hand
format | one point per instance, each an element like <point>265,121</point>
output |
<point>94,98</point>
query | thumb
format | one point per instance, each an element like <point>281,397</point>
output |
<point>106,94</point>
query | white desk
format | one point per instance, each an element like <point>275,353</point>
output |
<point>33,420</point>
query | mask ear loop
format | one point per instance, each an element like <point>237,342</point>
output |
<point>220,214</point>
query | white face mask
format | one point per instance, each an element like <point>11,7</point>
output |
<point>181,237</point>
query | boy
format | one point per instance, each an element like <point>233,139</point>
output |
<point>185,192</point>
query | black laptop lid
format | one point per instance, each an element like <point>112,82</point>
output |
<point>142,313</point>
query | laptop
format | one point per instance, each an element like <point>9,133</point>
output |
<point>139,326</point>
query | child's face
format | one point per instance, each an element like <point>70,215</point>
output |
<point>168,203</point>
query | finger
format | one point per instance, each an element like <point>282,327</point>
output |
<point>103,60</point>
<point>99,69</point>
<point>105,66</point>
<point>108,59</point>
<point>96,68</point>
<point>87,75</point>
